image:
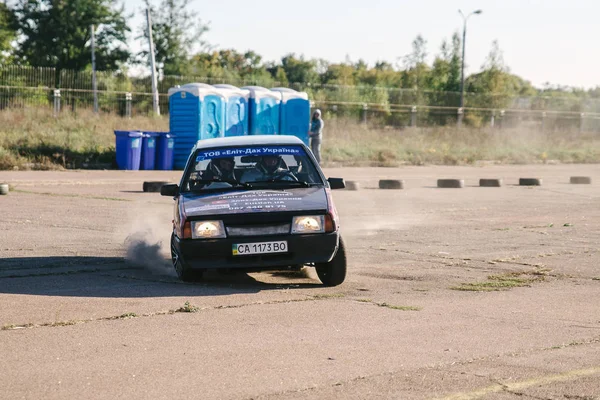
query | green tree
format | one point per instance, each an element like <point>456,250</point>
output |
<point>444,78</point>
<point>496,82</point>
<point>454,59</point>
<point>279,74</point>
<point>230,66</point>
<point>299,70</point>
<point>417,70</point>
<point>7,32</point>
<point>338,74</point>
<point>57,34</point>
<point>176,33</point>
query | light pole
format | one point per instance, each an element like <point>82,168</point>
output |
<point>462,73</point>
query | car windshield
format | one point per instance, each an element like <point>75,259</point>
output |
<point>271,166</point>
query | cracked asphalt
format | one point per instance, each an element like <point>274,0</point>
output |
<point>473,293</point>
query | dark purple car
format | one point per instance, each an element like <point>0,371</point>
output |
<point>255,203</point>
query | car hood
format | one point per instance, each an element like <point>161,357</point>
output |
<point>255,201</point>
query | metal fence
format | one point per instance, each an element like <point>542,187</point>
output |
<point>22,87</point>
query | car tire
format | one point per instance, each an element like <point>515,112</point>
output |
<point>333,272</point>
<point>184,272</point>
<point>153,186</point>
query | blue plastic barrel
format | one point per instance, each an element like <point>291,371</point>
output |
<point>128,148</point>
<point>148,156</point>
<point>165,150</point>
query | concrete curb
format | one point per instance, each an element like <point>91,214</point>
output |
<point>391,184</point>
<point>530,182</point>
<point>490,182</point>
<point>581,180</point>
<point>451,183</point>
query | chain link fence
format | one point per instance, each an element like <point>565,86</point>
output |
<point>22,87</point>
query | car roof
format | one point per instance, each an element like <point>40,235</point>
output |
<point>251,140</point>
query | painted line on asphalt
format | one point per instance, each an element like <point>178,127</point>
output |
<point>539,381</point>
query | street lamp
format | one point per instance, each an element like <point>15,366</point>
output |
<point>462,74</point>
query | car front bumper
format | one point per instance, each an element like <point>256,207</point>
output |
<point>217,253</point>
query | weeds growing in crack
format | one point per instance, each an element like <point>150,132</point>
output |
<point>188,308</point>
<point>329,296</point>
<point>401,308</point>
<point>506,281</point>
<point>127,316</point>
<point>391,306</point>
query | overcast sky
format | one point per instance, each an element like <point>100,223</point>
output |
<point>556,41</point>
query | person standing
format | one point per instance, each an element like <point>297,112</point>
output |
<point>316,134</point>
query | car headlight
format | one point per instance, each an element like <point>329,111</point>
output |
<point>208,230</point>
<point>308,224</point>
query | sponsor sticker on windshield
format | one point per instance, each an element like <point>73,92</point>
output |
<point>250,151</point>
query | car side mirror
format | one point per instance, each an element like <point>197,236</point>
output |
<point>171,190</point>
<point>336,183</point>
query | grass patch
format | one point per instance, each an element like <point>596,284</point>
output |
<point>401,308</point>
<point>329,296</point>
<point>188,308</point>
<point>596,279</point>
<point>347,142</point>
<point>32,138</point>
<point>506,281</point>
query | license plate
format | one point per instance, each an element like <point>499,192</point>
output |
<point>244,249</point>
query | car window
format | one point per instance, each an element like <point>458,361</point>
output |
<point>231,167</point>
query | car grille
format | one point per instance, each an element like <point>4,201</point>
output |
<point>258,230</point>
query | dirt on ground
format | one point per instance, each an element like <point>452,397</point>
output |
<point>472,293</point>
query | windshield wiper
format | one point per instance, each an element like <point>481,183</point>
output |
<point>218,180</point>
<point>299,183</point>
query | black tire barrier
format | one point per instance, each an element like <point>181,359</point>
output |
<point>153,186</point>
<point>581,180</point>
<point>391,184</point>
<point>530,182</point>
<point>3,188</point>
<point>352,185</point>
<point>451,183</point>
<point>490,182</point>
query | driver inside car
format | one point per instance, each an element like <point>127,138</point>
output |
<point>220,169</point>
<point>271,167</point>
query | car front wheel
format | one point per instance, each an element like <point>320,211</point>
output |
<point>333,272</point>
<point>184,272</point>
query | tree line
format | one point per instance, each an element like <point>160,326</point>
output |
<point>56,33</point>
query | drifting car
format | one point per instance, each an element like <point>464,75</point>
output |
<point>255,203</point>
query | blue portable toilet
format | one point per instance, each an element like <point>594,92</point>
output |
<point>263,107</point>
<point>196,112</point>
<point>294,113</point>
<point>236,109</point>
